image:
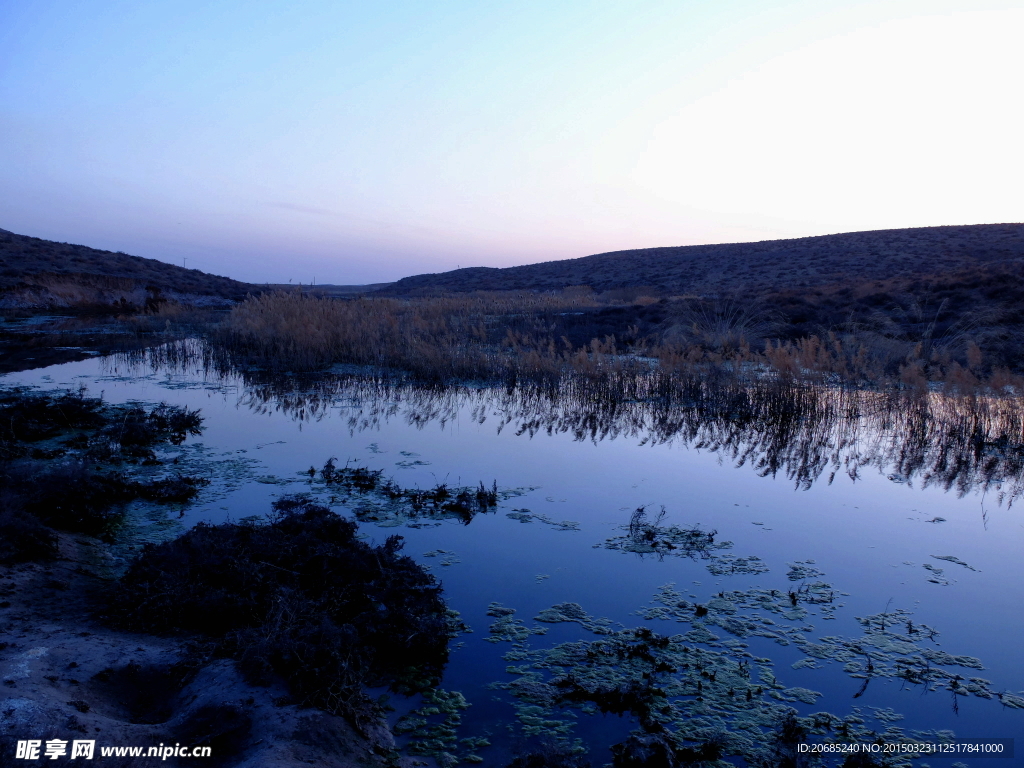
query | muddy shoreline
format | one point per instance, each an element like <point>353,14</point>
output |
<point>66,675</point>
<point>67,670</point>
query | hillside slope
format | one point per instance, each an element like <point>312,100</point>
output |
<point>36,272</point>
<point>771,265</point>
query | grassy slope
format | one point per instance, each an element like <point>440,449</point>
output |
<point>772,265</point>
<point>26,261</point>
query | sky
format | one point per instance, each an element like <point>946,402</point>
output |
<point>360,142</point>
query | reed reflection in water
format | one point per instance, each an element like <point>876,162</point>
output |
<point>806,433</point>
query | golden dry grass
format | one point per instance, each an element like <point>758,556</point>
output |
<point>502,336</point>
<point>435,339</point>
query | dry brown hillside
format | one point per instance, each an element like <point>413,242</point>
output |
<point>36,272</point>
<point>771,265</point>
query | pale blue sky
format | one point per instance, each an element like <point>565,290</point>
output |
<point>361,142</point>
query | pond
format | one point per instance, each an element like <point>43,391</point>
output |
<point>859,561</point>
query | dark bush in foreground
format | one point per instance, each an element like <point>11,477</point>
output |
<point>74,497</point>
<point>22,537</point>
<point>138,429</point>
<point>28,417</point>
<point>300,597</point>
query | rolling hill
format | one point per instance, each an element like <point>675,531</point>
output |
<point>37,273</point>
<point>742,268</point>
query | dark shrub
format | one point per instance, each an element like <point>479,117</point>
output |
<point>300,597</point>
<point>74,497</point>
<point>71,497</point>
<point>138,429</point>
<point>179,488</point>
<point>29,418</point>
<point>22,537</point>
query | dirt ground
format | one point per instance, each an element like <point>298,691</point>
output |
<point>65,676</point>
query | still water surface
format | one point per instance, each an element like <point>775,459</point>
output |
<point>870,531</point>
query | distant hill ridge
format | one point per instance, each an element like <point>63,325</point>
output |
<point>36,272</point>
<point>758,266</point>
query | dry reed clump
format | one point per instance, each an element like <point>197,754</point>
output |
<point>435,339</point>
<point>513,338</point>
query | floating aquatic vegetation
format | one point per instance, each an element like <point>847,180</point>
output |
<point>456,626</point>
<point>275,480</point>
<point>507,628</point>
<point>447,556</point>
<point>374,499</point>
<point>528,516</point>
<point>433,729</point>
<point>727,565</point>
<point>956,560</point>
<point>698,695</point>
<point>573,612</point>
<point>645,535</point>
<point>803,569</point>
<point>227,471</point>
<point>937,575</point>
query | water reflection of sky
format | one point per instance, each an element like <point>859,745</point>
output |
<point>870,537</point>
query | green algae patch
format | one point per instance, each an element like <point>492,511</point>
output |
<point>574,613</point>
<point>445,557</point>
<point>699,695</point>
<point>802,570</point>
<point>729,565</point>
<point>647,535</point>
<point>528,516</point>
<point>432,729</point>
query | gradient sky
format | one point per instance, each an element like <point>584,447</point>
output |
<point>362,142</point>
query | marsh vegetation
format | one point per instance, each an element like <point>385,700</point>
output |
<point>510,339</point>
<point>700,677</point>
<point>70,462</point>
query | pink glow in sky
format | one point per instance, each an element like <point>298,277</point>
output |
<point>362,142</point>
